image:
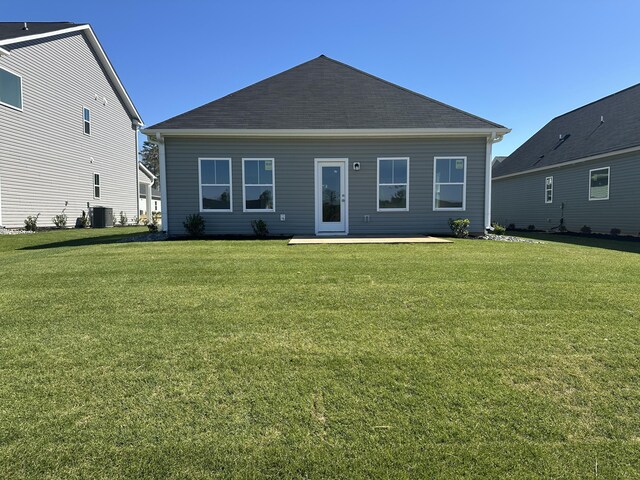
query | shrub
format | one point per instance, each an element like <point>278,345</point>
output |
<point>531,228</point>
<point>85,221</point>
<point>498,229</point>
<point>194,224</point>
<point>562,228</point>
<point>459,227</point>
<point>259,228</point>
<point>123,219</point>
<point>154,224</point>
<point>136,220</point>
<point>60,220</point>
<point>585,229</point>
<point>31,223</point>
<point>615,232</point>
<point>511,226</point>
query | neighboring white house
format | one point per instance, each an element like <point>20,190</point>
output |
<point>68,129</point>
<point>149,194</point>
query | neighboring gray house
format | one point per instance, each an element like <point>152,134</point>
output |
<point>324,148</point>
<point>582,168</point>
<point>68,129</point>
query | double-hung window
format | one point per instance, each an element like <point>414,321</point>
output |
<point>449,183</point>
<point>393,184</point>
<point>599,184</point>
<point>548,190</point>
<point>258,178</point>
<point>215,184</point>
<point>86,120</point>
<point>10,89</point>
<point>96,185</point>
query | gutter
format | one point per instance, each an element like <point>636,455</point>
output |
<point>491,139</point>
<point>327,132</point>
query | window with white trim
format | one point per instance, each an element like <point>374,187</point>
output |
<point>599,184</point>
<point>86,120</point>
<point>393,184</point>
<point>215,184</point>
<point>449,183</point>
<point>96,185</point>
<point>258,184</point>
<point>548,190</point>
<point>10,89</point>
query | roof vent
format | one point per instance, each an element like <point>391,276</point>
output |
<point>601,118</point>
<point>25,27</point>
<point>561,140</point>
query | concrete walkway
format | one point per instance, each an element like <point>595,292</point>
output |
<point>299,240</point>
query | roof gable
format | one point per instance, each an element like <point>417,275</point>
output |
<point>604,126</point>
<point>12,33</point>
<point>324,94</point>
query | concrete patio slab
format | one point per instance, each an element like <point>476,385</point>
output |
<point>302,240</point>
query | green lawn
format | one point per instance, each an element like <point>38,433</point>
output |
<point>246,359</point>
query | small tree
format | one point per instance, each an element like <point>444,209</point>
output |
<point>150,158</point>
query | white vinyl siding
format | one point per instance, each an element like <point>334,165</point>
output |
<point>215,184</point>
<point>449,183</point>
<point>393,184</point>
<point>599,184</point>
<point>10,89</point>
<point>548,190</point>
<point>258,184</point>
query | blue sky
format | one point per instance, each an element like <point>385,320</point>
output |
<point>518,63</point>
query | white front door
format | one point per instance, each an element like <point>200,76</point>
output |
<point>331,196</point>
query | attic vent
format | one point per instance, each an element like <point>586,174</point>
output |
<point>25,27</point>
<point>561,140</point>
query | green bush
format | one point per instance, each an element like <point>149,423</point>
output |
<point>194,224</point>
<point>459,227</point>
<point>615,232</point>
<point>31,223</point>
<point>585,229</point>
<point>154,224</point>
<point>60,220</point>
<point>562,228</point>
<point>85,220</point>
<point>498,229</point>
<point>531,228</point>
<point>123,220</point>
<point>511,226</point>
<point>259,228</point>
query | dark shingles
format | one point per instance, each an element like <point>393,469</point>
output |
<point>11,30</point>
<point>321,94</point>
<point>583,134</point>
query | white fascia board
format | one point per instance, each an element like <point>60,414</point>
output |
<point>572,162</point>
<point>102,56</point>
<point>329,132</point>
<point>4,52</point>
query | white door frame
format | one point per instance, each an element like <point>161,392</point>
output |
<point>318,200</point>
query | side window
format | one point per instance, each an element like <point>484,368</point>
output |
<point>86,120</point>
<point>599,184</point>
<point>548,190</point>
<point>96,185</point>
<point>449,183</point>
<point>10,89</point>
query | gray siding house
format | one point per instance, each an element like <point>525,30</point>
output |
<point>68,129</point>
<point>325,149</point>
<point>582,168</point>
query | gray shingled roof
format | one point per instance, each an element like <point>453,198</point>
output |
<point>324,94</point>
<point>580,133</point>
<point>10,30</point>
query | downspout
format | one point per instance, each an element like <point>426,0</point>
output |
<point>158,140</point>
<point>493,138</point>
